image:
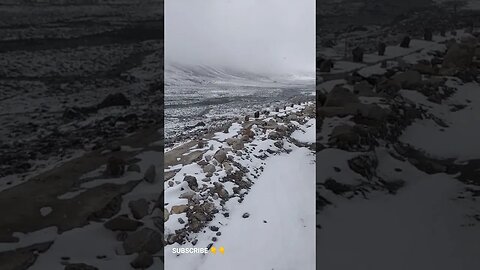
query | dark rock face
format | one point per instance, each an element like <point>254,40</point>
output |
<point>256,114</point>
<point>357,55</point>
<point>405,42</point>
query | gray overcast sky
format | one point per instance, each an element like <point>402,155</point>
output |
<point>267,36</point>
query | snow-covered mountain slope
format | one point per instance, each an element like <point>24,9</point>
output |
<point>179,74</point>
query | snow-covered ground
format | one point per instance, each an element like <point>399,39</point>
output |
<point>283,230</point>
<point>408,199</point>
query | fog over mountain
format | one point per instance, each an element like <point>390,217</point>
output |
<point>264,36</point>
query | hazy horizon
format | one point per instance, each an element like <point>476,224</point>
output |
<point>264,36</point>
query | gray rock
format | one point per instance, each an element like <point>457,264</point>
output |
<point>220,155</point>
<point>210,168</point>
<point>150,174</point>
<point>458,56</point>
<point>178,209</point>
<point>340,96</point>
<point>142,261</point>
<point>238,145</point>
<point>139,208</point>
<point>122,223</point>
<point>191,181</point>
<point>408,79</point>
<point>145,240</point>
<point>187,194</point>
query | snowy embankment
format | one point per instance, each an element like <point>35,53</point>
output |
<point>235,196</point>
<point>399,160</point>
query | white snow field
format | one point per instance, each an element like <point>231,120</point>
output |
<point>280,231</point>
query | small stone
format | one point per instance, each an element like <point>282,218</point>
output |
<point>245,215</point>
<point>181,221</point>
<point>218,234</point>
<point>214,228</point>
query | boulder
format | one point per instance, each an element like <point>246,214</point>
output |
<point>142,261</point>
<point>178,209</point>
<point>150,175</point>
<point>139,208</point>
<point>145,240</point>
<point>191,181</point>
<point>340,96</point>
<point>210,168</point>
<point>408,79</point>
<point>220,155</point>
<point>458,56</point>
<point>122,223</point>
